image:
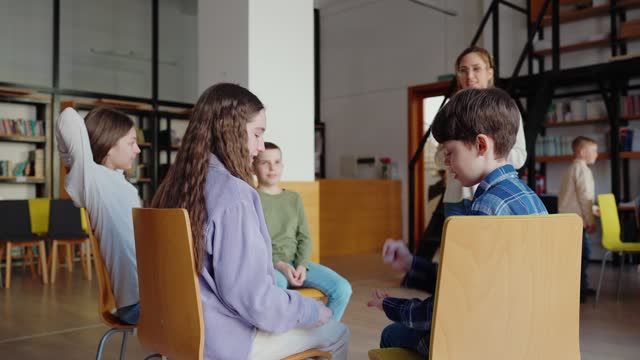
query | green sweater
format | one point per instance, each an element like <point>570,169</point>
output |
<point>288,228</point>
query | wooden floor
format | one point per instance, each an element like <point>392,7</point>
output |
<point>60,321</point>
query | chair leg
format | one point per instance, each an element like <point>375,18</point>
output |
<point>42,250</point>
<point>620,275</point>
<point>7,280</point>
<point>28,255</point>
<point>104,339</point>
<point>123,348</point>
<point>87,254</point>
<point>604,263</point>
<point>1,256</point>
<point>54,260</point>
<point>69,257</point>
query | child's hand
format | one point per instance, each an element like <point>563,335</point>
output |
<point>596,210</point>
<point>396,254</point>
<point>301,274</point>
<point>377,297</point>
<point>325,315</point>
<point>289,273</point>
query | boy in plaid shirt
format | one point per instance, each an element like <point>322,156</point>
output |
<point>477,128</point>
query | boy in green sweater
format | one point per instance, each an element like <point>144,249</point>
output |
<point>290,237</point>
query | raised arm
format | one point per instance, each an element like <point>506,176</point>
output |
<point>75,150</point>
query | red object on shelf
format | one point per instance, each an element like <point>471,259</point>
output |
<point>540,184</point>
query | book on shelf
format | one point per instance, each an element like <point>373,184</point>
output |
<point>21,127</point>
<point>630,105</point>
<point>6,166</point>
<point>36,158</point>
<point>629,139</point>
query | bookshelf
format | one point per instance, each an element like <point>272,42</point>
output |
<point>173,123</point>
<point>25,144</point>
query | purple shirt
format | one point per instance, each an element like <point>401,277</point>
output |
<point>237,283</point>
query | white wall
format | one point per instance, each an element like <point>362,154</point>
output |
<point>267,47</point>
<point>371,52</point>
<point>281,74</point>
<point>223,35</point>
<point>118,26</point>
<point>25,37</point>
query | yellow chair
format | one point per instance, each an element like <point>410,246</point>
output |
<point>106,302</point>
<point>611,237</point>
<point>171,321</point>
<point>508,288</point>
<point>39,213</point>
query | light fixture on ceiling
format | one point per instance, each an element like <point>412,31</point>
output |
<point>430,4</point>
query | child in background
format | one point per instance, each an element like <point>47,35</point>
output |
<point>290,237</point>
<point>576,195</point>
<point>477,129</point>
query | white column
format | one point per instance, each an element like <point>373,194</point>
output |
<point>268,47</point>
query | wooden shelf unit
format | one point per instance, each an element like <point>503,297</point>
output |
<point>591,12</point>
<point>601,156</point>
<point>23,179</point>
<point>23,139</point>
<point>576,123</point>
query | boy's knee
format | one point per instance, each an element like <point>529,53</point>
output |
<point>388,336</point>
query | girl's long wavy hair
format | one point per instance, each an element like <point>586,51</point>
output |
<point>217,125</point>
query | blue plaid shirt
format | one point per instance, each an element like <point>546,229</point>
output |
<point>503,193</point>
<point>500,193</point>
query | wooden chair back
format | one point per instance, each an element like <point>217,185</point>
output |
<point>106,301</point>
<point>171,313</point>
<point>508,288</point>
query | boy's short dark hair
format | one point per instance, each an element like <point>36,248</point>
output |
<point>580,141</point>
<point>472,112</point>
<point>271,146</point>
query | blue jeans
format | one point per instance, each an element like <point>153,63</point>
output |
<point>129,314</point>
<point>456,209</point>
<point>398,335</point>
<point>337,288</point>
<point>586,254</point>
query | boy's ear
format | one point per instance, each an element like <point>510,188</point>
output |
<point>482,144</point>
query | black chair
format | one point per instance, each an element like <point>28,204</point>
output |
<point>65,228</point>
<point>15,231</point>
